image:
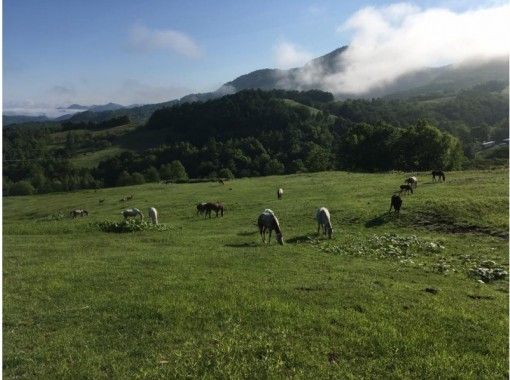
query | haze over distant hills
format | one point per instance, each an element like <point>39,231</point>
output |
<point>312,75</point>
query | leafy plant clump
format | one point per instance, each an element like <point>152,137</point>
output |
<point>489,271</point>
<point>130,225</point>
<point>384,246</point>
<point>53,217</point>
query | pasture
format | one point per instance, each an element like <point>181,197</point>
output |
<point>386,297</point>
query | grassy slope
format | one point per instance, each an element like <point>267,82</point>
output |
<point>205,298</point>
<point>92,159</point>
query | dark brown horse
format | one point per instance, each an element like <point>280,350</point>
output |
<point>396,203</point>
<point>201,208</point>
<point>217,207</point>
<point>406,189</point>
<point>439,174</point>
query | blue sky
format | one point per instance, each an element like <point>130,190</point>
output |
<point>58,52</point>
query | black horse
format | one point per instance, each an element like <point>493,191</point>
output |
<point>439,174</point>
<point>396,203</point>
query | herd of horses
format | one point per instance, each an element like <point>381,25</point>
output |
<point>267,221</point>
<point>408,186</point>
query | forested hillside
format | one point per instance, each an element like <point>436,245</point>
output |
<point>254,133</point>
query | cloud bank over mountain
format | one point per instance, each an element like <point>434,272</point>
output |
<point>388,42</point>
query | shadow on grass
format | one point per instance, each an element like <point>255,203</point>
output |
<point>243,245</point>
<point>300,239</point>
<point>247,233</point>
<point>380,220</point>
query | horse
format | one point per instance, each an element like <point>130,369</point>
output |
<point>324,220</point>
<point>220,181</point>
<point>439,174</point>
<point>79,212</point>
<point>279,193</point>
<point>396,203</point>
<point>218,208</point>
<point>201,208</point>
<point>268,221</point>
<point>406,189</point>
<point>128,198</point>
<point>153,215</point>
<point>412,181</point>
<point>132,213</point>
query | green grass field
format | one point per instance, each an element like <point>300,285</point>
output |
<point>205,299</point>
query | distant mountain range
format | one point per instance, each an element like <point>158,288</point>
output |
<point>95,108</point>
<point>441,80</point>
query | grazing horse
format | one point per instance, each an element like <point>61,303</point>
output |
<point>406,189</point>
<point>412,181</point>
<point>396,203</point>
<point>439,174</point>
<point>218,208</point>
<point>201,208</point>
<point>132,213</point>
<point>279,193</point>
<point>153,215</point>
<point>324,220</point>
<point>268,221</point>
<point>79,212</point>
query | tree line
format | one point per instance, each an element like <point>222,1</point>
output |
<point>256,133</point>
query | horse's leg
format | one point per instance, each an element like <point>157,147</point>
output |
<point>270,231</point>
<point>318,228</point>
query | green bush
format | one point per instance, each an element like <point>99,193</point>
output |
<point>21,188</point>
<point>130,225</point>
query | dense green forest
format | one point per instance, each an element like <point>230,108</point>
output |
<point>254,133</point>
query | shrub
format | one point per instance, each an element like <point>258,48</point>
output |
<point>226,173</point>
<point>21,188</point>
<point>130,225</point>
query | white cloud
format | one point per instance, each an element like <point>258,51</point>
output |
<point>144,39</point>
<point>288,55</point>
<point>394,40</point>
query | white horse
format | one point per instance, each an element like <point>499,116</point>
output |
<point>324,220</point>
<point>78,212</point>
<point>153,215</point>
<point>279,193</point>
<point>268,221</point>
<point>132,213</point>
<point>412,181</point>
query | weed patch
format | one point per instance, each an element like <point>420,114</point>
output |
<point>128,226</point>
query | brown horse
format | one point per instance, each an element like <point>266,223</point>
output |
<point>217,207</point>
